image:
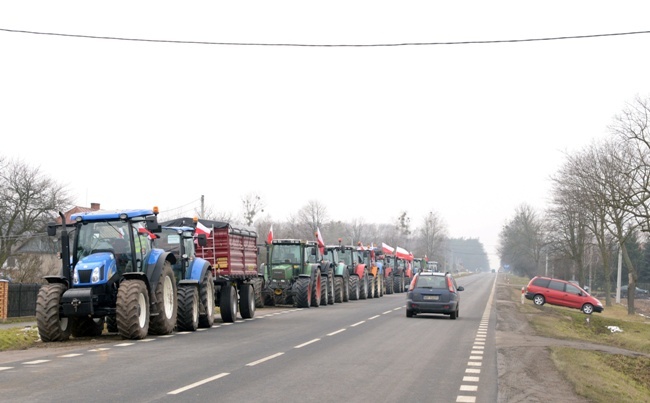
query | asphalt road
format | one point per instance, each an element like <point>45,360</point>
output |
<point>358,351</point>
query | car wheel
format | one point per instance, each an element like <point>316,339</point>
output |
<point>539,299</point>
<point>587,308</point>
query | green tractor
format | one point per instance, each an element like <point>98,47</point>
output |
<point>292,274</point>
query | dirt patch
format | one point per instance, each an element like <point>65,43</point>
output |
<point>526,370</point>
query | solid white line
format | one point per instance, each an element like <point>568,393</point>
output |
<point>199,383</point>
<point>358,323</point>
<point>308,343</point>
<point>270,357</point>
<point>337,332</point>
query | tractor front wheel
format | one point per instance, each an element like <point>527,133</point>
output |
<point>51,326</point>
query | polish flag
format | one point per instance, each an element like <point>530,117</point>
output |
<point>149,234</point>
<point>387,249</point>
<point>202,229</point>
<point>321,243</point>
<point>269,237</point>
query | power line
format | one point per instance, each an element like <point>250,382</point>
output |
<point>474,42</point>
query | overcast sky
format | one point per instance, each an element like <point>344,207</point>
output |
<point>470,131</point>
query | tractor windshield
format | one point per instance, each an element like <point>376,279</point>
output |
<point>285,254</point>
<point>345,255</point>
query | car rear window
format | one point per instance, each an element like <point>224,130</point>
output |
<point>431,282</point>
<point>541,282</point>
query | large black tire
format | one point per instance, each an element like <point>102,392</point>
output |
<point>87,327</point>
<point>51,326</point>
<point>371,286</point>
<point>338,290</point>
<point>188,308</point>
<point>363,287</point>
<point>246,301</point>
<point>269,299</point>
<point>354,288</point>
<point>330,288</point>
<point>206,297</point>
<point>258,284</point>
<point>132,311</point>
<point>346,288</point>
<point>380,286</point>
<point>166,303</point>
<point>303,289</point>
<point>317,289</point>
<point>228,303</point>
<point>389,284</point>
<point>324,287</point>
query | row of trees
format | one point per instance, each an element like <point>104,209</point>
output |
<point>599,210</point>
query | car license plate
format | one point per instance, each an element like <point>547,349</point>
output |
<point>431,297</point>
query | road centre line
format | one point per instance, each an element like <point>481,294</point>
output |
<point>4,368</point>
<point>306,344</point>
<point>358,323</point>
<point>373,317</point>
<point>336,332</point>
<point>199,383</point>
<point>270,357</point>
<point>386,312</point>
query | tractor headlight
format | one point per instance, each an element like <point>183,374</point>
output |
<point>94,278</point>
<point>75,277</point>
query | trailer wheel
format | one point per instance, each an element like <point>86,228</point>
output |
<point>228,303</point>
<point>303,291</point>
<point>87,327</point>
<point>338,290</point>
<point>51,326</point>
<point>166,303</point>
<point>188,308</point>
<point>132,311</point>
<point>206,288</point>
<point>354,288</point>
<point>246,301</point>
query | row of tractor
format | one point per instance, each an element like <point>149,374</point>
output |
<point>126,271</point>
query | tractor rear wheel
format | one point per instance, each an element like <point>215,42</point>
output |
<point>338,290</point>
<point>324,293</point>
<point>371,286</point>
<point>317,289</point>
<point>132,311</point>
<point>51,326</point>
<point>346,288</point>
<point>166,303</point>
<point>258,283</point>
<point>228,303</point>
<point>206,295</point>
<point>363,287</point>
<point>246,301</point>
<point>188,308</point>
<point>354,288</point>
<point>389,284</point>
<point>303,289</point>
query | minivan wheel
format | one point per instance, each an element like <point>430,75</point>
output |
<point>587,308</point>
<point>539,300</point>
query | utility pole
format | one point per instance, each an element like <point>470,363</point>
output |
<point>618,275</point>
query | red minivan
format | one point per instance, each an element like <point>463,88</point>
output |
<point>554,291</point>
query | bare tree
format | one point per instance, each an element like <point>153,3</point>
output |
<point>522,240</point>
<point>28,201</point>
<point>310,217</point>
<point>433,234</point>
<point>252,205</point>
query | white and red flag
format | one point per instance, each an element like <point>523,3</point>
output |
<point>269,236</point>
<point>321,243</point>
<point>202,229</point>
<point>388,250</point>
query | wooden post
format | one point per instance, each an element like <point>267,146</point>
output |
<point>4,299</point>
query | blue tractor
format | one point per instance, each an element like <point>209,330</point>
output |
<point>109,274</point>
<point>196,288</point>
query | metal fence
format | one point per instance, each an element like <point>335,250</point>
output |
<point>22,300</point>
